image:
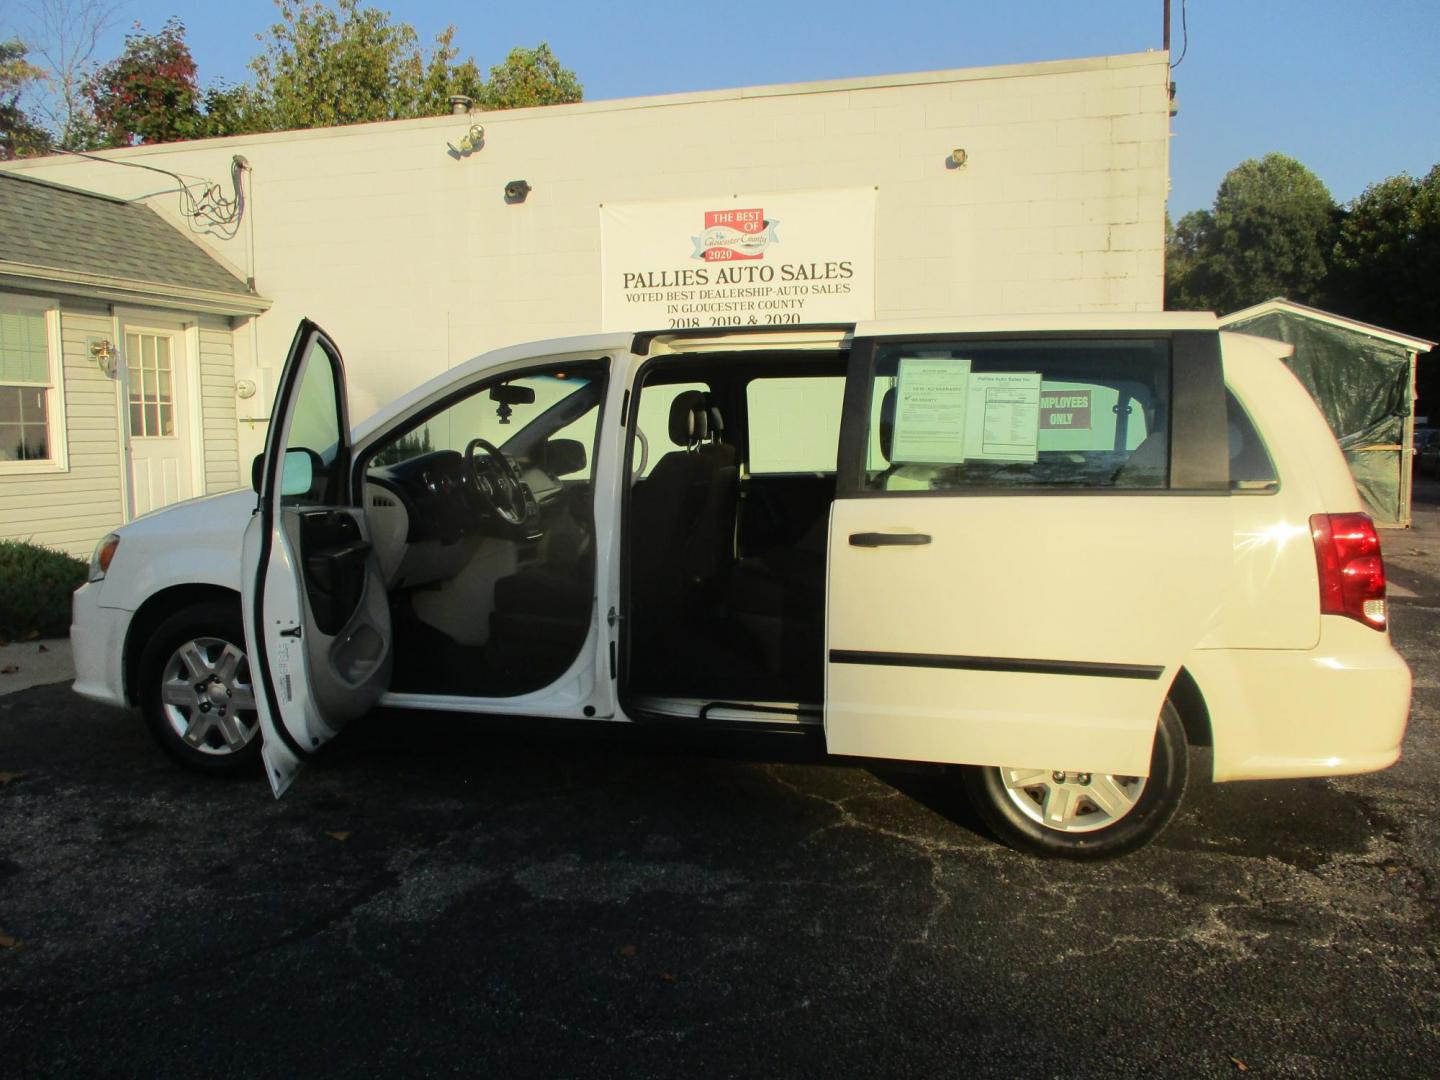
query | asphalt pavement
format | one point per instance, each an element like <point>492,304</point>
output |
<point>441,897</point>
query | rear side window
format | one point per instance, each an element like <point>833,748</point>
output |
<point>1031,414</point>
<point>1251,469</point>
<point>794,424</point>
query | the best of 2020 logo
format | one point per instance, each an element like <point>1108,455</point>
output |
<point>734,234</point>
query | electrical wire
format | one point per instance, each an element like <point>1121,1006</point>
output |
<point>1184,36</point>
<point>209,211</point>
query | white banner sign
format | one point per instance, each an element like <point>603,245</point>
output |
<point>743,260</point>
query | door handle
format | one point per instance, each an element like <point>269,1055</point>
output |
<point>888,539</point>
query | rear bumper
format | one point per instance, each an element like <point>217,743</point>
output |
<point>1337,709</point>
<point>97,636</point>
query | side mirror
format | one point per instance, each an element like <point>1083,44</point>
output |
<point>297,473</point>
<point>564,456</point>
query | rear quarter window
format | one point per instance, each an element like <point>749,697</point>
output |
<point>1252,471</point>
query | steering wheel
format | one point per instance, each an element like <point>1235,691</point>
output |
<point>498,484</point>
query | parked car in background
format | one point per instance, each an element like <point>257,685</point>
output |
<point>1053,550</point>
<point>1427,451</point>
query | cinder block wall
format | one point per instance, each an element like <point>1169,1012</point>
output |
<point>410,257</point>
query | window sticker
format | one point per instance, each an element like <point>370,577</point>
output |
<point>1004,416</point>
<point>1065,410</point>
<point>930,410</point>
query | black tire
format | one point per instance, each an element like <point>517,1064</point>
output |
<point>1001,809</point>
<point>210,625</point>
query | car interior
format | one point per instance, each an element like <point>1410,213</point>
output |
<point>727,537</point>
<point>481,513</point>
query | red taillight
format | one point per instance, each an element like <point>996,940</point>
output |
<point>1352,572</point>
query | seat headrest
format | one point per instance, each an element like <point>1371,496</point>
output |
<point>689,418</point>
<point>887,424</point>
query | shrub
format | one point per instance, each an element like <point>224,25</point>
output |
<point>35,587</point>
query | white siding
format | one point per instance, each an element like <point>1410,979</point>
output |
<point>217,406</point>
<point>73,509</point>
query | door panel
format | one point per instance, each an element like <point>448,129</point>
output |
<point>157,392</point>
<point>317,620</point>
<point>1030,535</point>
<point>1004,641</point>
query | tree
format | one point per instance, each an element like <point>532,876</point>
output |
<point>1269,234</point>
<point>340,65</point>
<point>232,110</point>
<point>349,64</point>
<point>149,93</point>
<point>1387,256</point>
<point>530,77</point>
<point>444,78</point>
<point>66,35</point>
<point>20,135</point>
<point>1186,245</point>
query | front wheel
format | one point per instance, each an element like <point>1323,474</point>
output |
<point>1080,815</point>
<point>196,692</point>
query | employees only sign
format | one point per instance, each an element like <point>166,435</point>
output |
<point>748,260</point>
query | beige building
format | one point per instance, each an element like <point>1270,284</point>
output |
<point>1027,188</point>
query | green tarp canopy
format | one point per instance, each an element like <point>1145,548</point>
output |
<point>1362,384</point>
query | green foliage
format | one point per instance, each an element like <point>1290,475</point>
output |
<point>232,110</point>
<point>1387,256</point>
<point>20,135</point>
<point>530,77</point>
<point>35,587</point>
<point>349,64</point>
<point>443,77</point>
<point>1269,234</point>
<point>341,65</point>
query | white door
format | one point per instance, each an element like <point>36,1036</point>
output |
<point>161,460</point>
<point>1029,535</point>
<point>317,621</point>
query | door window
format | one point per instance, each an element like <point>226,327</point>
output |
<point>794,424</point>
<point>150,360</point>
<point>1020,414</point>
<point>314,433</point>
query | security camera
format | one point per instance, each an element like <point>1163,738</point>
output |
<point>516,190</point>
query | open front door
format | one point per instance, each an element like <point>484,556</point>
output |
<point>317,623</point>
<point>1030,534</point>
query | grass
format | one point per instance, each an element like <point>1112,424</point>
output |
<point>35,587</point>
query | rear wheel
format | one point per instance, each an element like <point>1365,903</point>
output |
<point>1082,815</point>
<point>196,691</point>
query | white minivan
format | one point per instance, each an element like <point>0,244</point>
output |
<point>1055,550</point>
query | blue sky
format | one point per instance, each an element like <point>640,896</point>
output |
<point>1350,88</point>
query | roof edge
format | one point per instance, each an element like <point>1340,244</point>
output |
<point>17,174</point>
<point>1279,303</point>
<point>130,290</point>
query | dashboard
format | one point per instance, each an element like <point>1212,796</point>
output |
<point>427,516</point>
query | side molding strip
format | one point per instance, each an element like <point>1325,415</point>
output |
<point>998,663</point>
